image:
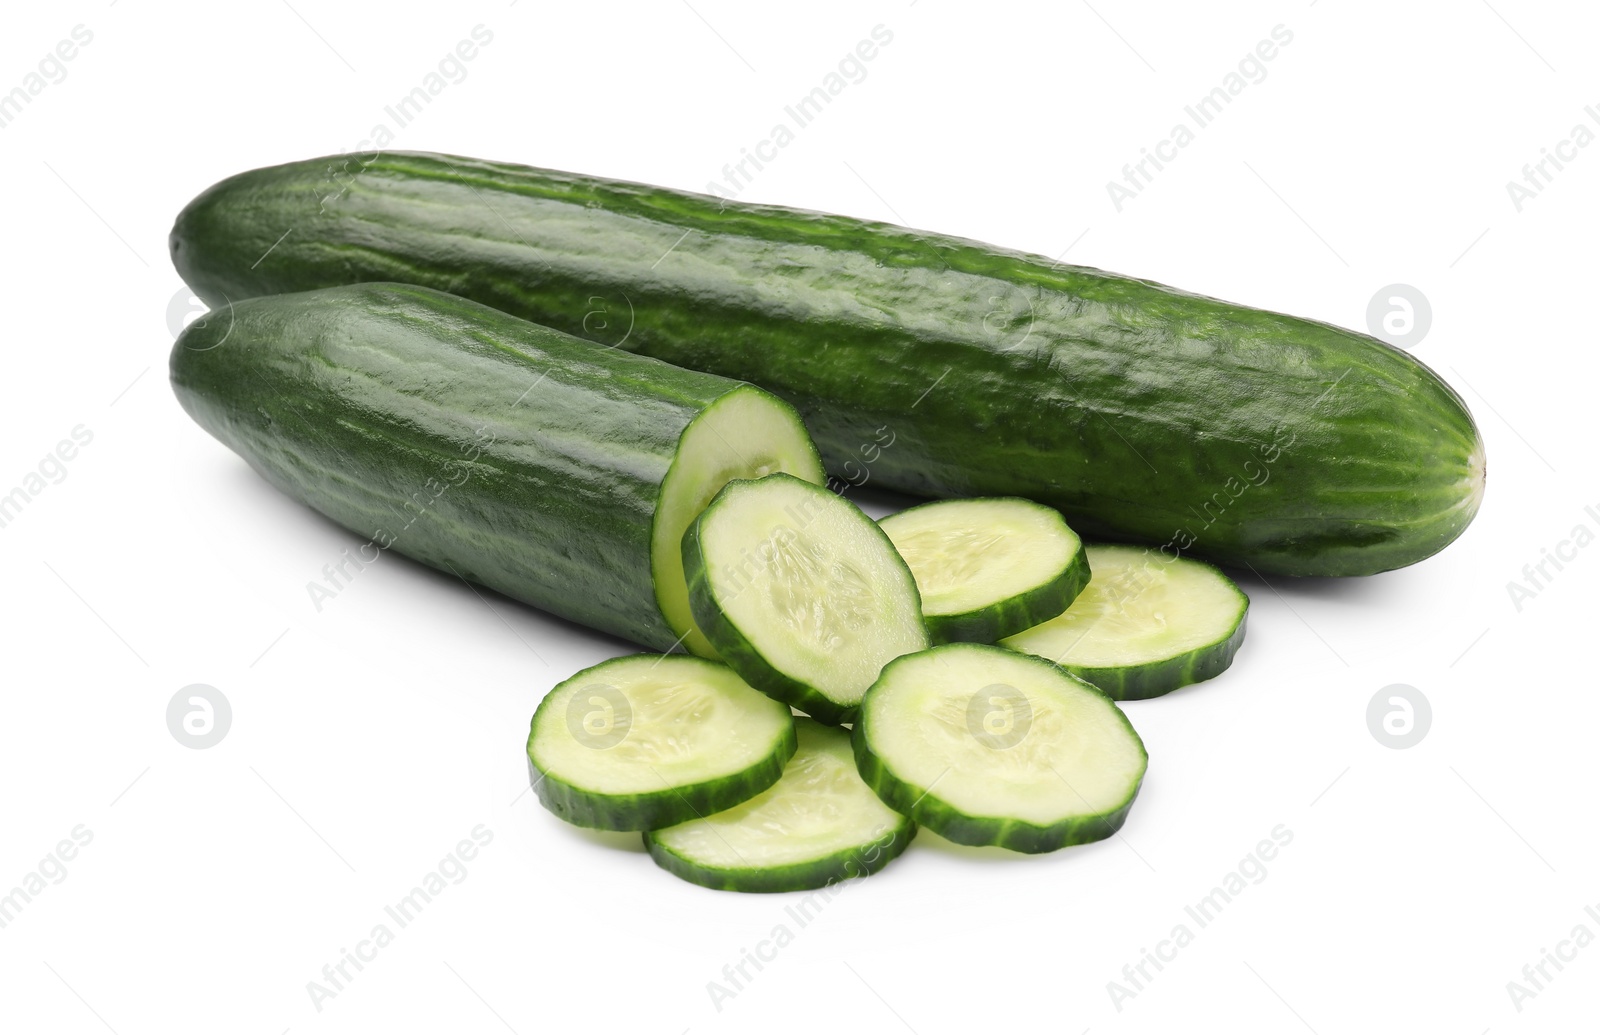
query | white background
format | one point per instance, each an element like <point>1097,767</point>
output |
<point>368,738</point>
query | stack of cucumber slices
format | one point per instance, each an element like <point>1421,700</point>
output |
<point>975,648</point>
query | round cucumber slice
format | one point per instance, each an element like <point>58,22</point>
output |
<point>988,747</point>
<point>655,739</point>
<point>745,434</point>
<point>800,593</point>
<point>988,568</point>
<point>1146,625</point>
<point>819,824</point>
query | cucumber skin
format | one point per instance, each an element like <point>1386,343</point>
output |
<point>1008,617</point>
<point>359,400</point>
<point>808,876</point>
<point>950,823</point>
<point>1065,384</point>
<point>735,649</point>
<point>656,809</point>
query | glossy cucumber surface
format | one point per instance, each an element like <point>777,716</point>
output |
<point>506,453</point>
<point>1140,411</point>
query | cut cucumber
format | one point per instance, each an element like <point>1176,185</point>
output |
<point>800,592</point>
<point>984,746</point>
<point>651,740</point>
<point>988,568</point>
<point>818,825</point>
<point>1146,625</point>
<point>515,456</point>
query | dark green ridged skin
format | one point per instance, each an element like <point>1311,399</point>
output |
<point>924,807</point>
<point>730,641</point>
<point>394,410</point>
<point>859,861</point>
<point>1142,412</point>
<point>1140,682</point>
<point>654,809</point>
<point>994,622</point>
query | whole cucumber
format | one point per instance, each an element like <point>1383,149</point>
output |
<point>925,363</point>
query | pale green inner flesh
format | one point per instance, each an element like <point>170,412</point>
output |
<point>1140,607</point>
<point>812,584</point>
<point>655,721</point>
<point>971,554</point>
<point>745,434</point>
<point>1037,745</point>
<point>819,808</point>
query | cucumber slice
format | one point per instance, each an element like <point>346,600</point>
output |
<point>1146,625</point>
<point>988,568</point>
<point>651,740</point>
<point>800,593</point>
<point>744,434</point>
<point>988,747</point>
<point>818,825</point>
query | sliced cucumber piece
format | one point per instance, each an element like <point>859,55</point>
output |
<point>800,593</point>
<point>819,824</point>
<point>988,747</point>
<point>987,568</point>
<point>651,740</point>
<point>1146,625</point>
<point>744,434</point>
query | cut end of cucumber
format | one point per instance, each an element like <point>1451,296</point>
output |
<point>819,824</point>
<point>652,739</point>
<point>987,568</point>
<point>988,747</point>
<point>1146,624</point>
<point>745,434</point>
<point>801,593</point>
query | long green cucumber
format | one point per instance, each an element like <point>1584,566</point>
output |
<point>933,365</point>
<point>509,454</point>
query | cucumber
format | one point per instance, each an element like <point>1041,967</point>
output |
<point>653,740</point>
<point>512,455</point>
<point>1146,625</point>
<point>984,746</point>
<point>800,593</point>
<point>818,825</point>
<point>1139,411</point>
<point>988,568</point>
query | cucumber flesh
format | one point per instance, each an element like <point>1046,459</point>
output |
<point>745,434</point>
<point>988,568</point>
<point>984,746</point>
<point>651,740</point>
<point>1146,625</point>
<point>819,824</point>
<point>800,593</point>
